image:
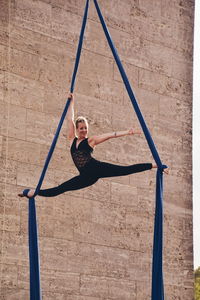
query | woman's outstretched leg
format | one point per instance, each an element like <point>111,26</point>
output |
<point>111,170</point>
<point>75,183</point>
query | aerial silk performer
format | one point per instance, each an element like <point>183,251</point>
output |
<point>90,169</point>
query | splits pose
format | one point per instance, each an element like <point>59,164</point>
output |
<point>90,169</point>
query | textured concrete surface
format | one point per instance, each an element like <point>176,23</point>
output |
<point>96,243</point>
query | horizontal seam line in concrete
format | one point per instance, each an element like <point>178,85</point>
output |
<point>188,82</point>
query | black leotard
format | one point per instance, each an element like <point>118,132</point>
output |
<point>81,155</point>
<point>90,170</point>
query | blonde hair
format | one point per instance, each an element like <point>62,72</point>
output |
<point>81,120</point>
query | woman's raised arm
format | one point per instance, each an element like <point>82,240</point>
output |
<point>70,119</point>
<point>95,140</point>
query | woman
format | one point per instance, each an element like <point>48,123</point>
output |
<point>89,168</point>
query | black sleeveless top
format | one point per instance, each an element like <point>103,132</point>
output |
<point>82,154</point>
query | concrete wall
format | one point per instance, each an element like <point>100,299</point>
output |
<point>95,243</point>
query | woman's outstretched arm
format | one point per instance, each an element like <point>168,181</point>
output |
<point>95,140</point>
<point>70,119</point>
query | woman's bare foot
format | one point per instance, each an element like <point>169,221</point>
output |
<point>166,170</point>
<point>29,195</point>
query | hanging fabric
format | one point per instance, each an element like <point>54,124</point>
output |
<point>35,291</point>
<point>157,273</point>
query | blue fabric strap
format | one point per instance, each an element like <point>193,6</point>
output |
<point>35,293</point>
<point>67,103</point>
<point>157,275</point>
<point>78,54</point>
<point>157,269</point>
<point>129,89</point>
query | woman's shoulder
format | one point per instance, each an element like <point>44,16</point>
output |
<point>90,142</point>
<point>71,141</point>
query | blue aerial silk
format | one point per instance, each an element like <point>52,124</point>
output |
<point>157,274</point>
<point>35,291</point>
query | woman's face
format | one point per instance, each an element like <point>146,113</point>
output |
<point>82,130</point>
